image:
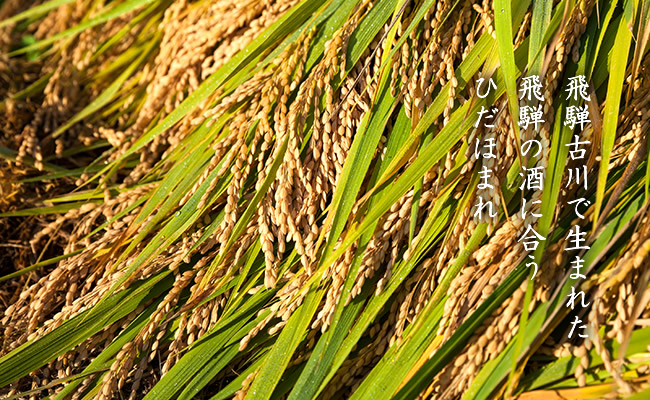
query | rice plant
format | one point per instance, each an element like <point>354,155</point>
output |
<point>308,199</point>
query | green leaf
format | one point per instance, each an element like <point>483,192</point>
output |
<point>503,28</point>
<point>206,358</point>
<point>110,92</point>
<point>282,351</point>
<point>107,15</point>
<point>618,64</point>
<point>33,355</point>
<point>451,347</point>
<point>35,11</point>
<point>107,355</point>
<point>263,42</point>
<point>538,26</point>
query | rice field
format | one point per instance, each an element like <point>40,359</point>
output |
<point>324,199</point>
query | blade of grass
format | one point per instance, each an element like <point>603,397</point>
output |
<point>503,28</point>
<point>111,13</point>
<point>35,11</point>
<point>617,67</point>
<point>276,361</point>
